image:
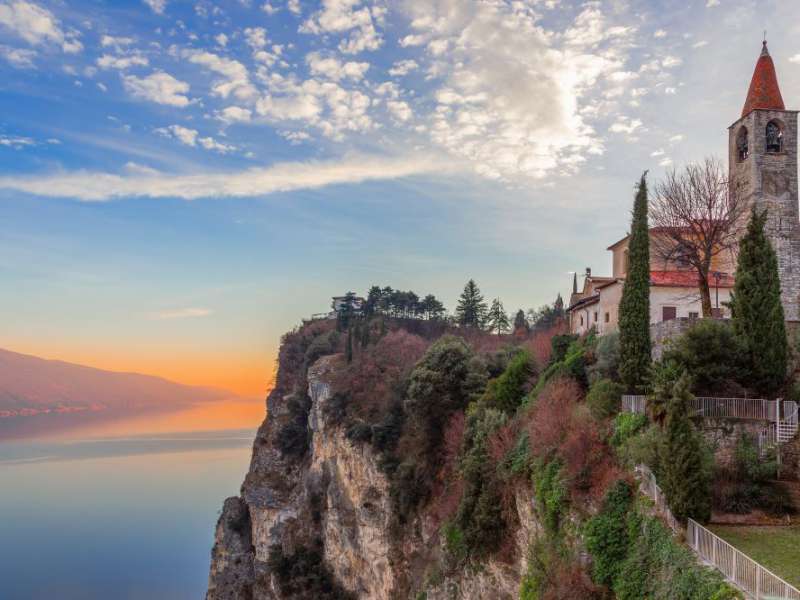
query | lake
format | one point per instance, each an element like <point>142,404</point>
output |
<point>113,511</point>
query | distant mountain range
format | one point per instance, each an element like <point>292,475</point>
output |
<point>30,386</point>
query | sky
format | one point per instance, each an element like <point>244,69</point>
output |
<point>183,181</point>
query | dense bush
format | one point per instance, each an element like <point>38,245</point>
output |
<point>607,364</point>
<point>604,398</point>
<point>559,345</point>
<point>293,437</point>
<point>303,574</point>
<point>507,391</point>
<point>750,484</point>
<point>626,426</point>
<point>607,534</point>
<point>552,496</point>
<point>713,355</point>
<point>327,343</point>
<point>658,568</point>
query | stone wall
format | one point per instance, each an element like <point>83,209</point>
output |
<point>723,434</point>
<point>662,332</point>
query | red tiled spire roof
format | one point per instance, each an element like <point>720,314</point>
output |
<point>764,91</point>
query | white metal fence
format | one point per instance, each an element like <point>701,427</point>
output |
<point>735,408</point>
<point>743,571</point>
<point>649,487</point>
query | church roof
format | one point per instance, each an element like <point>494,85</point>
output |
<point>764,92</point>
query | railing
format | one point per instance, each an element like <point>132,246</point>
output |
<point>782,431</point>
<point>732,408</point>
<point>745,573</point>
<point>634,404</point>
<point>649,487</point>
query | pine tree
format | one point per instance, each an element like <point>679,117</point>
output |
<point>521,326</point>
<point>685,476</point>
<point>497,319</point>
<point>634,308</point>
<point>471,309</point>
<point>758,317</point>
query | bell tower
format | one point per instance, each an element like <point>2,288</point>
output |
<point>762,159</point>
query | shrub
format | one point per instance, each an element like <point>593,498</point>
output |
<point>327,343</point>
<point>626,426</point>
<point>713,355</point>
<point>607,536</point>
<point>603,398</point>
<point>506,392</point>
<point>551,494</point>
<point>293,438</point>
<point>303,574</point>
<point>607,364</point>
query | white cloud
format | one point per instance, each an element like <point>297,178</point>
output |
<point>403,67</point>
<point>191,137</point>
<point>234,114</point>
<point>282,177</point>
<point>221,39</point>
<point>348,17</point>
<point>520,108</point>
<point>400,110</point>
<point>712,3</point>
<point>37,25</point>
<point>15,141</point>
<point>157,6</point>
<point>182,313</point>
<point>334,69</point>
<point>657,153</point>
<point>795,59</point>
<point>676,138</point>
<point>236,77</point>
<point>669,62</point>
<point>294,6</point>
<point>268,8</point>
<point>107,61</point>
<point>660,33</point>
<point>625,125</point>
<point>19,58</point>
<point>700,44</point>
<point>118,42</point>
<point>256,37</point>
<point>158,87</point>
<point>665,162</point>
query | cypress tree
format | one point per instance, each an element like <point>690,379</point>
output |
<point>471,309</point>
<point>497,319</point>
<point>634,307</point>
<point>758,317</point>
<point>348,350</point>
<point>684,476</point>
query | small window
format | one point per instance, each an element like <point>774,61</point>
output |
<point>595,317</point>
<point>694,315</point>
<point>742,144</point>
<point>581,320</point>
<point>668,313</point>
<point>774,137</point>
<point>608,317</point>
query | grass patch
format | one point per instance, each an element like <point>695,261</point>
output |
<point>776,548</point>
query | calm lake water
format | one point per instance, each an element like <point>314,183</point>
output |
<point>121,516</point>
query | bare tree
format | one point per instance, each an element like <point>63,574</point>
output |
<point>697,215</point>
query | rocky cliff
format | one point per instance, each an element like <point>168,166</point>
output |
<point>338,500</point>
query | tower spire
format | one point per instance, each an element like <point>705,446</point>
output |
<point>764,91</point>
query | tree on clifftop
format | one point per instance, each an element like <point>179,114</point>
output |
<point>471,309</point>
<point>758,317</point>
<point>634,308</point>
<point>497,319</point>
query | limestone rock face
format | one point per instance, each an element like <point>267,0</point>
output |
<point>338,495</point>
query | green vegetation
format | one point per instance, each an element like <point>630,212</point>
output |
<point>608,535</point>
<point>776,548</point>
<point>506,392</point>
<point>712,354</point>
<point>603,398</point>
<point>634,307</point>
<point>293,437</point>
<point>626,426</point>
<point>497,319</point>
<point>757,310</point>
<point>607,358</point>
<point>303,574</point>
<point>685,465</point>
<point>552,496</point>
<point>471,309</point>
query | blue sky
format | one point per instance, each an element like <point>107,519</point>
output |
<point>181,182</point>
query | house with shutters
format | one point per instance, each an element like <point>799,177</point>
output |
<point>762,162</point>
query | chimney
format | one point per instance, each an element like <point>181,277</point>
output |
<point>588,272</point>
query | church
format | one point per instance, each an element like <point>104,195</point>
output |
<point>762,164</point>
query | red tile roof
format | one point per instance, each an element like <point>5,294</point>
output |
<point>764,92</point>
<point>686,279</point>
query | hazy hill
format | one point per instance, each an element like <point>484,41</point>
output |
<point>31,385</point>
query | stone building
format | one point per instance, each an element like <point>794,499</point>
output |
<point>762,154</point>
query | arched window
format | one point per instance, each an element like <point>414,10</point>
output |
<point>742,144</point>
<point>774,137</point>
